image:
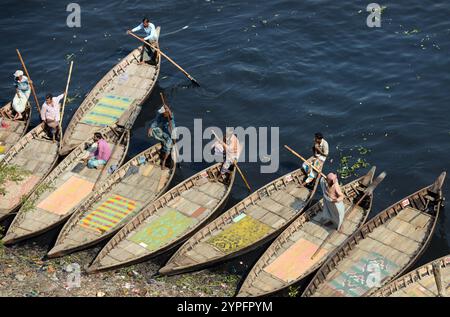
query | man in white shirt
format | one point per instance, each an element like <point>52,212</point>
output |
<point>320,154</point>
<point>148,54</point>
<point>50,114</point>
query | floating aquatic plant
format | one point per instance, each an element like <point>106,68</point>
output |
<point>349,166</point>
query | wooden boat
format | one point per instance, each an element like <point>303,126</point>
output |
<point>33,156</point>
<point>167,221</point>
<point>15,129</point>
<point>66,187</point>
<point>429,280</point>
<point>124,194</point>
<point>383,248</point>
<point>125,87</point>
<point>252,222</point>
<point>299,250</point>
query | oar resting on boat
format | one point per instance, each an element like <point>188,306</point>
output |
<point>429,280</point>
<point>66,187</point>
<point>289,259</point>
<point>249,224</point>
<point>168,221</point>
<point>124,194</point>
<point>383,248</point>
<point>123,89</point>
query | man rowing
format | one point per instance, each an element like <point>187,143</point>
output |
<point>19,103</point>
<point>148,54</point>
<point>320,153</point>
<point>162,129</point>
<point>51,114</point>
<point>230,148</point>
<point>333,202</point>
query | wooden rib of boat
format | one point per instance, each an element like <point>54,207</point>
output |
<point>125,87</point>
<point>167,221</point>
<point>429,280</point>
<point>289,259</point>
<point>249,224</point>
<point>383,248</point>
<point>14,129</point>
<point>124,194</point>
<point>66,187</point>
<point>33,156</point>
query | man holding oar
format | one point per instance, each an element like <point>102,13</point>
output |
<point>320,151</point>
<point>230,148</point>
<point>333,201</point>
<point>51,114</point>
<point>148,53</point>
<point>162,130</point>
<point>23,91</point>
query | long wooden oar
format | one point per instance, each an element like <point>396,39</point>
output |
<point>306,161</point>
<point>237,167</point>
<point>368,191</point>
<point>64,103</point>
<point>29,79</point>
<point>167,57</point>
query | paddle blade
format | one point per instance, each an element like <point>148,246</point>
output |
<point>375,183</point>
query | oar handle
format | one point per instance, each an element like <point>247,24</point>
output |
<point>242,175</point>
<point>29,78</point>
<point>167,57</point>
<point>306,161</point>
<point>65,96</point>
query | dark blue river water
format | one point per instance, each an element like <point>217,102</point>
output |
<point>304,66</point>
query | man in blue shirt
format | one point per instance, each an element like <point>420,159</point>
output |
<point>148,54</point>
<point>162,129</point>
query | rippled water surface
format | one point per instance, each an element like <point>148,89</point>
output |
<point>303,66</point>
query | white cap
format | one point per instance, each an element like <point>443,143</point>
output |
<point>18,73</point>
<point>162,110</point>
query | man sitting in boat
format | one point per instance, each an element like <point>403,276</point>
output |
<point>50,114</point>
<point>21,97</point>
<point>320,154</point>
<point>333,202</point>
<point>101,155</point>
<point>230,147</point>
<point>148,54</point>
<point>162,129</point>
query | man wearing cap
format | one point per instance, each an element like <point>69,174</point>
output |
<point>20,100</point>
<point>148,54</point>
<point>50,114</point>
<point>162,129</point>
<point>333,198</point>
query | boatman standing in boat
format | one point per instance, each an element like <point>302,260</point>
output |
<point>20,100</point>
<point>163,130</point>
<point>51,114</point>
<point>230,148</point>
<point>148,54</point>
<point>320,154</point>
<point>333,202</point>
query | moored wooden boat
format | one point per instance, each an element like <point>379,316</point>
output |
<point>33,156</point>
<point>167,221</point>
<point>252,222</point>
<point>383,248</point>
<point>14,129</point>
<point>115,97</point>
<point>429,280</point>
<point>124,194</point>
<point>65,188</point>
<point>292,256</point>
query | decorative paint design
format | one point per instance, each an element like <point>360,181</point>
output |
<point>161,231</point>
<point>107,110</point>
<point>240,235</point>
<point>367,273</point>
<point>67,196</point>
<point>295,261</point>
<point>15,191</point>
<point>110,213</point>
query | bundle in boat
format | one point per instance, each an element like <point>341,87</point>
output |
<point>66,187</point>
<point>113,100</point>
<point>382,249</point>
<point>32,157</point>
<point>429,280</point>
<point>249,224</point>
<point>306,244</point>
<point>167,221</point>
<point>124,194</point>
<point>12,130</point>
